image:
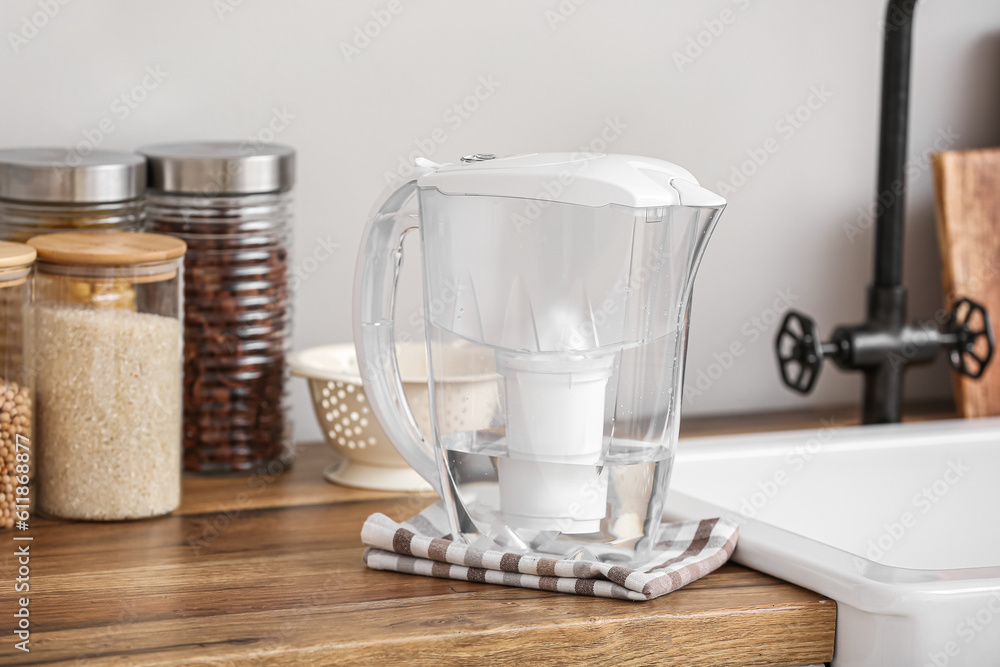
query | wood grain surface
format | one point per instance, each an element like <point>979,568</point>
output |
<point>267,570</point>
<point>968,221</point>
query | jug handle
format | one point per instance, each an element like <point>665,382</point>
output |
<point>375,280</point>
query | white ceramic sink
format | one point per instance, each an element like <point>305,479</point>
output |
<point>899,524</point>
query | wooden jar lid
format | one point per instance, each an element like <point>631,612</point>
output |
<point>15,254</point>
<point>107,248</point>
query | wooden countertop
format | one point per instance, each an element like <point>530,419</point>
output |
<point>268,570</point>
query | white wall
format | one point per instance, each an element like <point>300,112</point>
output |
<point>557,84</point>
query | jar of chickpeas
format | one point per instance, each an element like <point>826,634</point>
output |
<point>49,190</point>
<point>16,442</point>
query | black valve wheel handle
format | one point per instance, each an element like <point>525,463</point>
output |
<point>805,351</point>
<point>967,337</point>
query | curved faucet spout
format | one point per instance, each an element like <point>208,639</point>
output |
<point>891,205</point>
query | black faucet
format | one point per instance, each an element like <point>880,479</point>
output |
<point>884,345</point>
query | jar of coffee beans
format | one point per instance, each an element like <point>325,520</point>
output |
<point>231,203</point>
<point>49,190</point>
<point>17,455</point>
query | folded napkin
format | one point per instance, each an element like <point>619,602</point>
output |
<point>686,551</point>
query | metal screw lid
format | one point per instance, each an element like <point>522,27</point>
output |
<point>220,167</point>
<point>66,176</point>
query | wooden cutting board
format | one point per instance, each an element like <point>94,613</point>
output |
<point>968,222</point>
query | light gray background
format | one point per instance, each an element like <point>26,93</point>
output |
<point>230,64</point>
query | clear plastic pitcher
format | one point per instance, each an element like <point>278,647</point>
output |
<point>569,279</point>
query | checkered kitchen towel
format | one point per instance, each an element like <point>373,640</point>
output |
<point>687,550</point>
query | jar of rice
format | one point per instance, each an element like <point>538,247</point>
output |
<point>108,339</point>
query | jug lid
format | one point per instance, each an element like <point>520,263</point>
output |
<point>585,179</point>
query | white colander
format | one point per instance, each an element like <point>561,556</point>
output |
<point>367,458</point>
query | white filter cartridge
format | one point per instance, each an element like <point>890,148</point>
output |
<point>552,478</point>
<point>565,497</point>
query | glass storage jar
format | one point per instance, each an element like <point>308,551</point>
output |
<point>48,190</point>
<point>108,339</point>
<point>16,442</point>
<point>232,205</point>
